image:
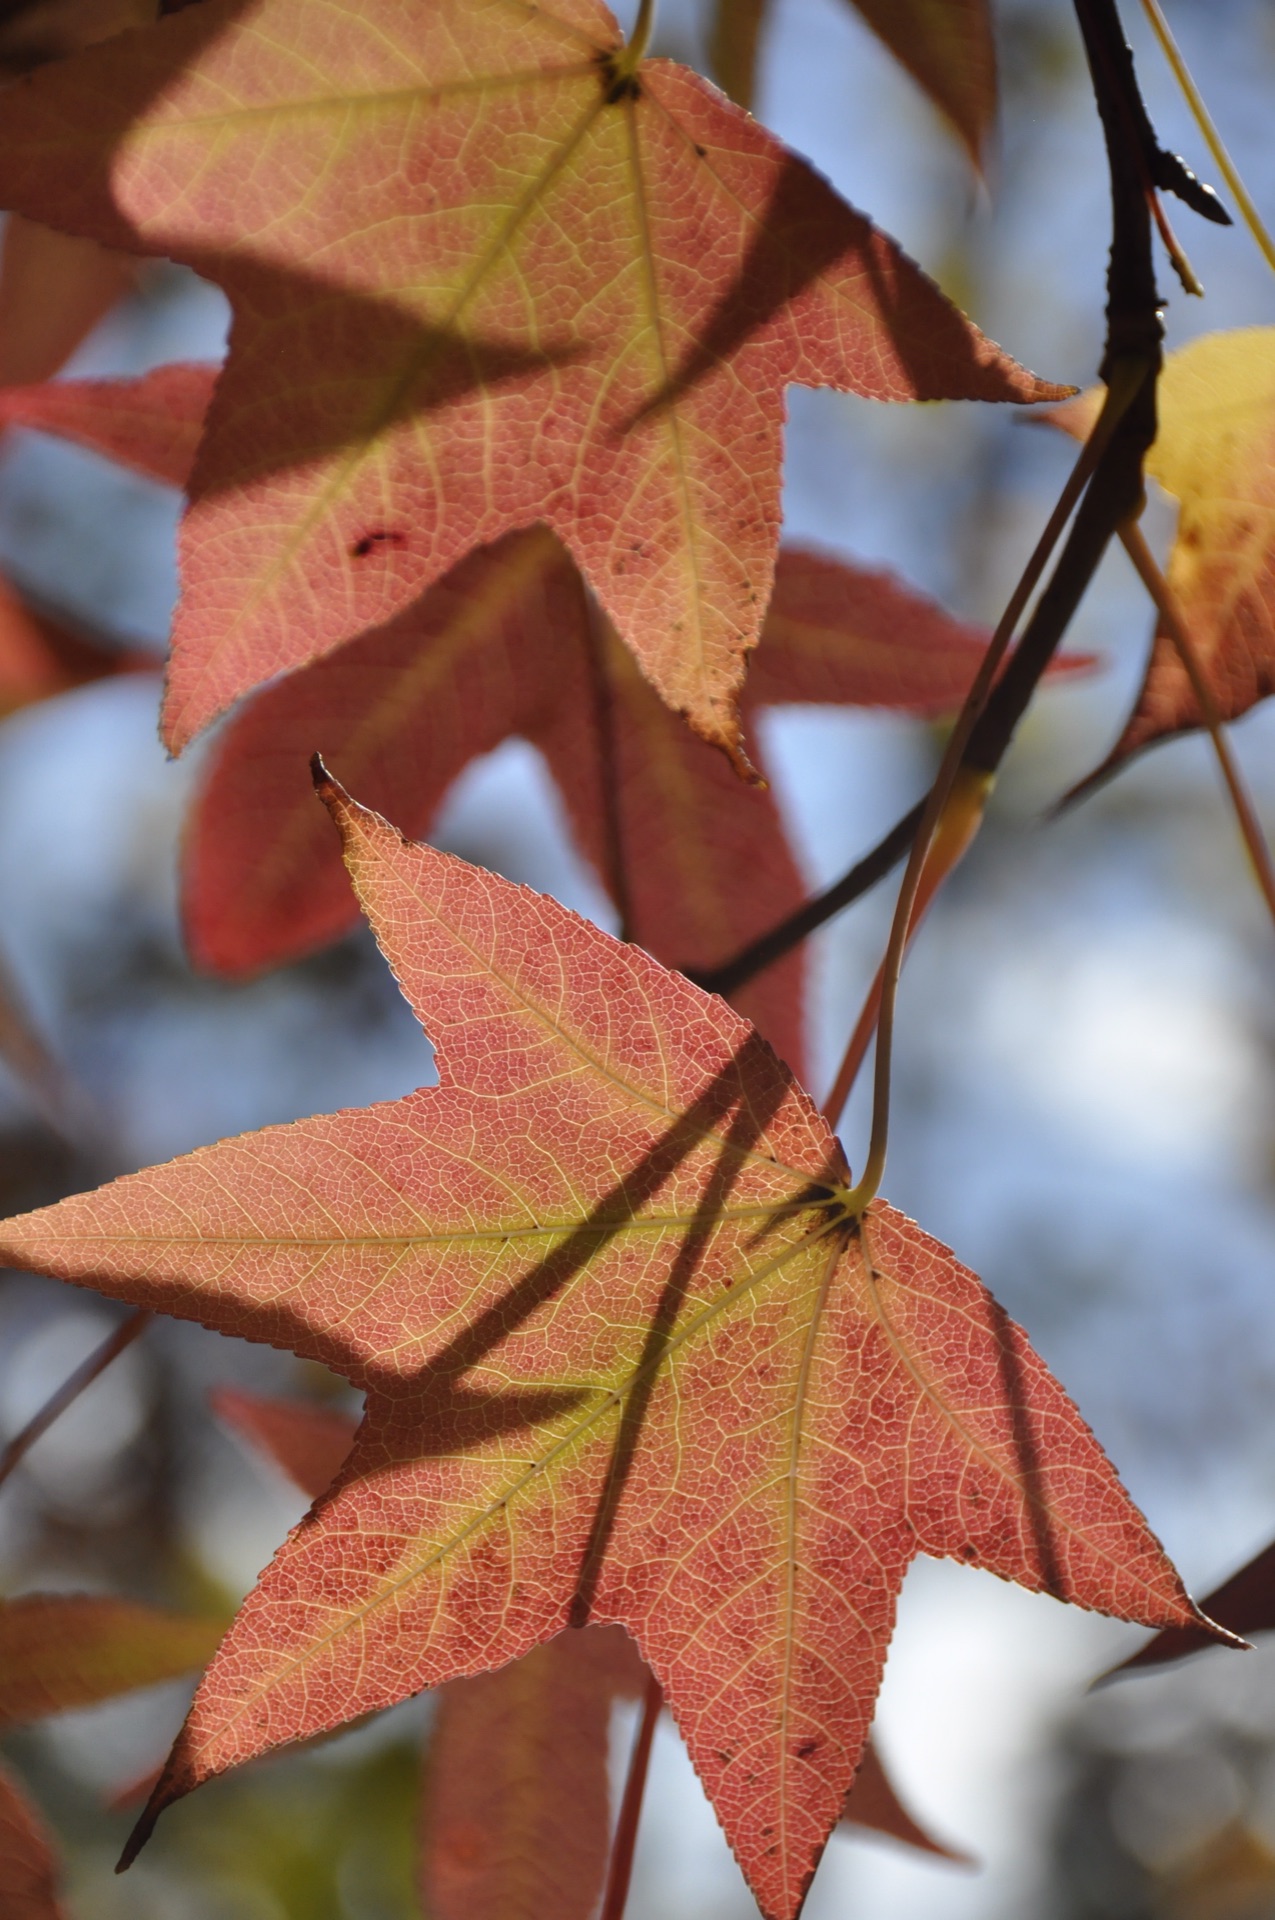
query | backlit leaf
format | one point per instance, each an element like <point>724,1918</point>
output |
<point>152,424</point>
<point>28,1865</point>
<point>627,1359</point>
<point>873,1802</point>
<point>517,1817</point>
<point>60,1650</point>
<point>479,279</point>
<point>306,1443</point>
<point>1215,453</point>
<point>1245,1603</point>
<point>947,47</point>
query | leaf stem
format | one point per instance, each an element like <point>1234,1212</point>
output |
<point>620,1870</point>
<point>966,788</point>
<point>1204,121</point>
<point>639,40</point>
<point>71,1389</point>
<point>1170,612</point>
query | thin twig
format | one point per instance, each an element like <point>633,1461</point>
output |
<point>1175,626</point>
<point>976,778</point>
<point>1204,121</point>
<point>620,1868</point>
<point>71,1389</point>
<point>788,933</point>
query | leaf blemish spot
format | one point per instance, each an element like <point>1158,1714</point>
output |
<point>379,537</point>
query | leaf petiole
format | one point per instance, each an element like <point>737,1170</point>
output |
<point>620,1870</point>
<point>1127,377</point>
<point>1166,604</point>
<point>634,51</point>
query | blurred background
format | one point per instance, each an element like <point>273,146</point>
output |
<point>1084,1105</point>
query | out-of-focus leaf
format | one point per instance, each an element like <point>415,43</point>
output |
<point>40,656</point>
<point>152,424</point>
<point>947,47</point>
<point>517,1817</point>
<point>307,1443</point>
<point>629,262</point>
<point>1215,453</point>
<point>1245,1603</point>
<point>54,288</point>
<point>873,1802</point>
<point>33,32</point>
<point>60,1650</point>
<point>28,1864</point>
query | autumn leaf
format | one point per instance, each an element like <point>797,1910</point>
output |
<point>1215,454</point>
<point>28,1865</point>
<point>481,276</point>
<point>307,1443</point>
<point>152,424</point>
<point>40,655</point>
<point>516,1807</point>
<point>1245,1603</point>
<point>873,1802</point>
<point>627,1360</point>
<point>60,1650</point>
<point>517,1821</point>
<point>946,45</point>
<point>696,861</point>
<point>54,288</point>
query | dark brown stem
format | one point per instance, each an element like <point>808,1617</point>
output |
<point>1132,357</point>
<point>71,1389</point>
<point>620,1869</point>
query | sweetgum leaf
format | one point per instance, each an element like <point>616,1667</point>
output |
<point>479,279</point>
<point>873,1802</point>
<point>60,1650</point>
<point>1215,453</point>
<point>517,1822</point>
<point>947,47</point>
<point>307,1443</point>
<point>152,424</point>
<point>627,1359</point>
<point>1245,1603</point>
<point>28,1865</point>
<point>54,288</point>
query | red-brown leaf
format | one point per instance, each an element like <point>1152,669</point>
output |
<point>1245,1603</point>
<point>626,1358</point>
<point>307,1443</point>
<point>40,656</point>
<point>60,1650</point>
<point>54,289</point>
<point>873,1802</point>
<point>584,310</point>
<point>28,1865</point>
<point>947,47</point>
<point>517,1816</point>
<point>152,424</point>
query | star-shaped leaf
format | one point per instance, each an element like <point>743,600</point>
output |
<point>482,275</point>
<point>628,1358</point>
